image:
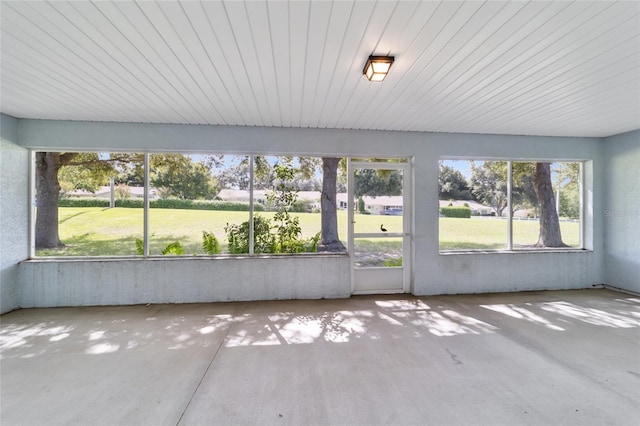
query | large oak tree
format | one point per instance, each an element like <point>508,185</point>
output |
<point>531,182</point>
<point>92,169</point>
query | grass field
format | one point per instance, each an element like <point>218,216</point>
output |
<point>491,233</point>
<point>94,231</point>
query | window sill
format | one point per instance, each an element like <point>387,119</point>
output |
<point>221,257</point>
<point>522,251</point>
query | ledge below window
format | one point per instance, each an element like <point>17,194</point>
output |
<point>536,251</point>
<point>176,258</point>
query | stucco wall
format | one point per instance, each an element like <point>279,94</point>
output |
<point>174,280</point>
<point>433,273</point>
<point>621,211</point>
<point>14,224</point>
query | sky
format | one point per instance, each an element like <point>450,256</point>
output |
<point>463,166</point>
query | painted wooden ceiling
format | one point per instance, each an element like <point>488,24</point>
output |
<point>526,68</point>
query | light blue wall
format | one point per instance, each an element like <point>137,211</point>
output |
<point>433,273</point>
<point>621,211</point>
<point>14,211</point>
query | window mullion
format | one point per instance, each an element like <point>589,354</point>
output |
<point>32,204</point>
<point>581,212</point>
<point>251,230</point>
<point>509,206</point>
<point>146,204</point>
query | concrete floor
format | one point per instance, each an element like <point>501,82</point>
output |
<point>566,357</point>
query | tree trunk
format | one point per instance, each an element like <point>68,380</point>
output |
<point>330,240</point>
<point>550,235</point>
<point>48,192</point>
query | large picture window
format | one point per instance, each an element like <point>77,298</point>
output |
<point>509,205</point>
<point>128,204</point>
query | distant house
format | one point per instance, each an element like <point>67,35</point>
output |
<point>260,196</point>
<point>342,201</point>
<point>477,209</point>
<point>105,192</point>
<point>385,205</point>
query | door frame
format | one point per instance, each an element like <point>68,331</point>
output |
<point>407,221</point>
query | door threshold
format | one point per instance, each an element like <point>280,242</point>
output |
<point>363,292</point>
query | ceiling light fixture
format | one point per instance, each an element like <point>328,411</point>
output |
<point>377,67</point>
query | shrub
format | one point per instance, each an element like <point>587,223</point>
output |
<point>393,262</point>
<point>83,202</point>
<point>174,203</point>
<point>238,236</point>
<point>304,206</point>
<point>210,243</point>
<point>131,203</point>
<point>138,203</point>
<point>175,248</point>
<point>312,243</point>
<point>464,212</point>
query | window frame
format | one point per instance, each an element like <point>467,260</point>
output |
<point>582,243</point>
<point>146,202</point>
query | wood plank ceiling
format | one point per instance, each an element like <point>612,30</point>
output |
<point>533,68</point>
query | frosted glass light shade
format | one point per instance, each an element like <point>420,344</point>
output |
<point>377,67</point>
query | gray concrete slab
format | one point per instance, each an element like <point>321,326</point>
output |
<point>564,357</point>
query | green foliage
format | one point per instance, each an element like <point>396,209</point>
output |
<point>463,212</point>
<point>138,203</point>
<point>452,184</point>
<point>489,184</point>
<point>570,202</point>
<point>523,191</point>
<point>90,170</point>
<point>210,243</point>
<point>173,249</point>
<point>375,183</point>
<point>89,174</point>
<point>203,205</point>
<point>283,198</point>
<point>130,203</point>
<point>312,243</point>
<point>176,175</point>
<point>393,262</point>
<point>568,182</point>
<point>83,202</point>
<point>304,206</point>
<point>238,236</point>
<point>236,175</point>
<point>285,235</point>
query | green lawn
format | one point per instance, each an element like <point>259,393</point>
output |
<point>94,231</point>
<point>491,233</point>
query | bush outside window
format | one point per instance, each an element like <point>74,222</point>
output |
<point>93,204</point>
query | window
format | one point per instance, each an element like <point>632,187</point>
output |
<point>193,199</point>
<point>197,204</point>
<point>509,205</point>
<point>88,204</point>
